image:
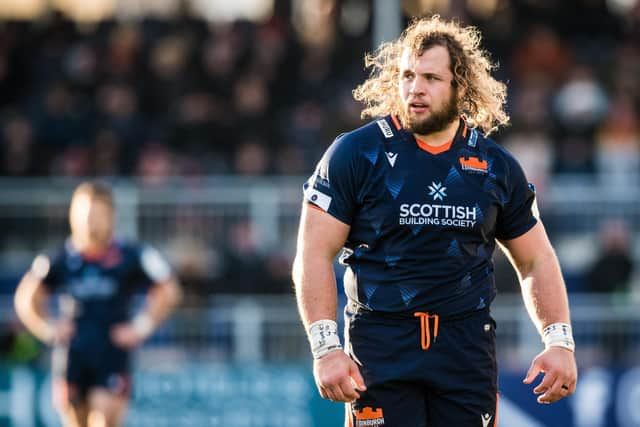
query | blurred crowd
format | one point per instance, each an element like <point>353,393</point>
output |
<point>186,97</point>
<point>163,98</point>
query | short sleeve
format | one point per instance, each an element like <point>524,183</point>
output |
<point>333,185</point>
<point>519,213</point>
<point>153,266</point>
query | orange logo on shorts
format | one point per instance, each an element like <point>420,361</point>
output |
<point>369,417</point>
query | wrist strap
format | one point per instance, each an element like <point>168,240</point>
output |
<point>323,337</point>
<point>49,333</point>
<point>142,324</point>
<point>558,335</point>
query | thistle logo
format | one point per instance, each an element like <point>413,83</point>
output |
<point>437,191</point>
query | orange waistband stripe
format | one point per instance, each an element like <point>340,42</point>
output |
<point>425,328</point>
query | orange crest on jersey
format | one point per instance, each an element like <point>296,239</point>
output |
<point>474,164</point>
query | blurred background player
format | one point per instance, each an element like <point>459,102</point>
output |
<point>96,277</point>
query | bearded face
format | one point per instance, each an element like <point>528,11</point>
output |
<point>436,120</point>
<point>429,98</point>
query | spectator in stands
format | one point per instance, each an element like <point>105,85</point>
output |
<point>123,51</point>
<point>243,261</point>
<point>60,120</point>
<point>108,157</point>
<point>18,156</point>
<point>251,158</point>
<point>155,164</point>
<point>74,161</point>
<point>618,143</point>
<point>541,54</point>
<point>613,268</point>
<point>307,124</point>
<point>580,105</point>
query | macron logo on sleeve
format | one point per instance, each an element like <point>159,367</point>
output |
<point>317,198</point>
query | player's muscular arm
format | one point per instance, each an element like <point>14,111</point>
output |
<point>31,307</point>
<point>543,289</point>
<point>161,300</point>
<point>320,237</point>
<point>545,298</point>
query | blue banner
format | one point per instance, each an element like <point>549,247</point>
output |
<point>202,395</point>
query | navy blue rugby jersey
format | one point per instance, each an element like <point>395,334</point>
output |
<point>96,292</point>
<point>423,220</point>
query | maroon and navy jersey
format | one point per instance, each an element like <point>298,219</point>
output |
<point>96,292</point>
<point>423,220</point>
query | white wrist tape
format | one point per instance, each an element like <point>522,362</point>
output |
<point>558,335</point>
<point>323,337</point>
<point>143,324</point>
<point>49,333</point>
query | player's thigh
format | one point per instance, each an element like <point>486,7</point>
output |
<point>71,379</point>
<point>109,394</point>
<point>72,413</point>
<point>466,391</point>
<point>395,404</point>
<point>463,410</point>
<point>106,409</point>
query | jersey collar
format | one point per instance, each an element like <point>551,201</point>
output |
<point>89,257</point>
<point>461,136</point>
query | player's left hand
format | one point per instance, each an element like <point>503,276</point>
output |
<point>560,374</point>
<point>124,335</point>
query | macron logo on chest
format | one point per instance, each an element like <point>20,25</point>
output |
<point>391,157</point>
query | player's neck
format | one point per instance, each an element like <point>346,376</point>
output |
<point>442,137</point>
<point>90,247</point>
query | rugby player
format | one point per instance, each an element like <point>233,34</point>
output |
<point>417,200</point>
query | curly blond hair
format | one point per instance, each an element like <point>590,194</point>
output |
<point>481,98</point>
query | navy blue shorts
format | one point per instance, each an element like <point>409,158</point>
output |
<point>76,372</point>
<point>423,370</point>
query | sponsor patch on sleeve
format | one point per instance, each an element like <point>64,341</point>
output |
<point>317,198</point>
<point>385,128</point>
